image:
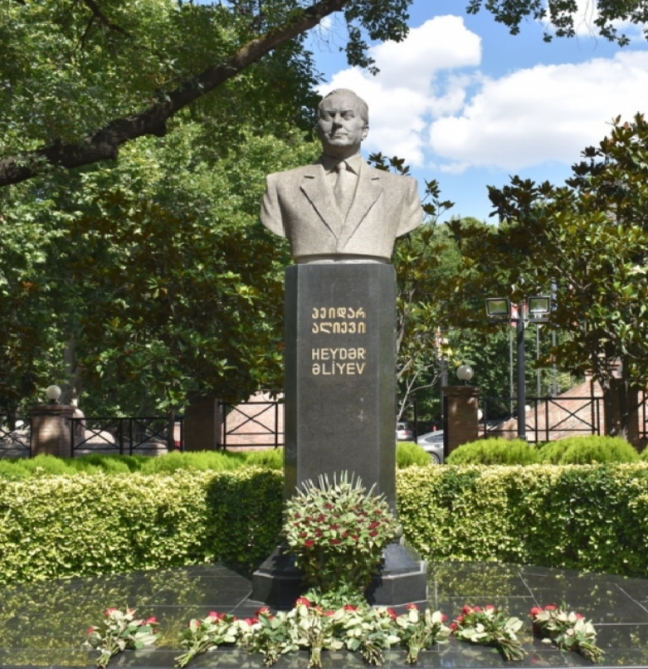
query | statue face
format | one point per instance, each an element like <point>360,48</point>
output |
<point>340,126</point>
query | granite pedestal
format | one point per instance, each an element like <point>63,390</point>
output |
<point>340,390</point>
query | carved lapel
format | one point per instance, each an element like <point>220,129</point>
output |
<point>320,195</point>
<point>368,191</point>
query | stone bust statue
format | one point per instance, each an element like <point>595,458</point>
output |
<point>340,208</point>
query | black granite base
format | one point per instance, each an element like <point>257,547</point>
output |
<point>402,580</point>
<point>43,625</point>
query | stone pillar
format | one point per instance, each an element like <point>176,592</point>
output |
<point>461,415</point>
<point>50,430</point>
<point>340,407</point>
<point>202,424</point>
<point>340,380</point>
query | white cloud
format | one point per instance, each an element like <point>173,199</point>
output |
<point>407,91</point>
<point>545,113</point>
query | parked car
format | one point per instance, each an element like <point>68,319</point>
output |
<point>432,443</point>
<point>403,433</point>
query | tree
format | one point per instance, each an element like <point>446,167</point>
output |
<point>590,237</point>
<point>153,278</point>
<point>81,78</point>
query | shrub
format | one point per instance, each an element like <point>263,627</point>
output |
<point>12,470</point>
<point>587,450</point>
<point>409,454</point>
<point>495,451</point>
<point>47,464</point>
<point>109,464</point>
<point>62,526</point>
<point>269,459</point>
<point>193,461</point>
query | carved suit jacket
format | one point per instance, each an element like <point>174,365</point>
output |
<point>299,204</point>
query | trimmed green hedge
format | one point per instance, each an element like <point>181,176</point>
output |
<point>590,517</point>
<point>494,451</point>
<point>58,526</point>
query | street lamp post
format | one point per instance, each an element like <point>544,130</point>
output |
<point>538,308</point>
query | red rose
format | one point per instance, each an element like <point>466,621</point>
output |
<point>91,630</point>
<point>453,626</point>
<point>460,619</point>
<point>443,617</point>
<point>477,609</point>
<point>302,601</point>
<point>376,523</point>
<point>107,612</point>
<point>335,542</point>
<point>467,609</point>
<point>550,607</point>
<point>348,607</point>
<point>489,607</point>
<point>264,610</point>
<point>392,614</point>
<point>535,610</point>
<point>309,543</point>
<point>151,621</point>
<point>412,607</point>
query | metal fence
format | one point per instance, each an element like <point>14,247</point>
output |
<point>126,436</point>
<point>548,419</point>
<point>14,443</point>
<point>252,424</point>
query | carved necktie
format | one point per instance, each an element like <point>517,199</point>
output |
<point>344,188</point>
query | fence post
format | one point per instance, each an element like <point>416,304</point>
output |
<point>50,430</point>
<point>461,415</point>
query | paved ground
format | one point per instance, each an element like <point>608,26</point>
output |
<point>43,625</point>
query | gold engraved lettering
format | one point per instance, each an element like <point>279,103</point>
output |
<point>360,367</point>
<point>315,328</point>
<point>341,312</point>
<point>322,312</point>
<point>315,353</point>
<point>362,328</point>
<point>361,354</point>
<point>315,313</point>
<point>316,368</point>
<point>325,328</point>
<point>351,367</point>
<point>340,366</point>
<point>332,312</point>
<point>360,313</point>
<point>352,327</point>
<point>336,328</point>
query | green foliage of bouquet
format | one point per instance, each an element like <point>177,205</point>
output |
<point>202,635</point>
<point>337,532</point>
<point>566,629</point>
<point>489,627</point>
<point>120,631</point>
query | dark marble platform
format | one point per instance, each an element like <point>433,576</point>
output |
<point>43,625</point>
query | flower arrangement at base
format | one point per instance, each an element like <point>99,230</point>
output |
<point>489,626</point>
<point>418,631</point>
<point>120,631</point>
<point>337,532</point>
<point>203,635</point>
<point>566,629</point>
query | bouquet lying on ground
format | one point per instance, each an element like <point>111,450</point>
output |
<point>489,627</point>
<point>365,629</point>
<point>566,629</point>
<point>120,631</point>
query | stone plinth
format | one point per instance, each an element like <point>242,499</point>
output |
<point>340,390</point>
<point>50,430</point>
<point>461,415</point>
<point>340,396</point>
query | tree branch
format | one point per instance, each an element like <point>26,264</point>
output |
<point>104,144</point>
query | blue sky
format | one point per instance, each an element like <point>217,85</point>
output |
<point>468,104</point>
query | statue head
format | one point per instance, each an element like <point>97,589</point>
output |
<point>342,124</point>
